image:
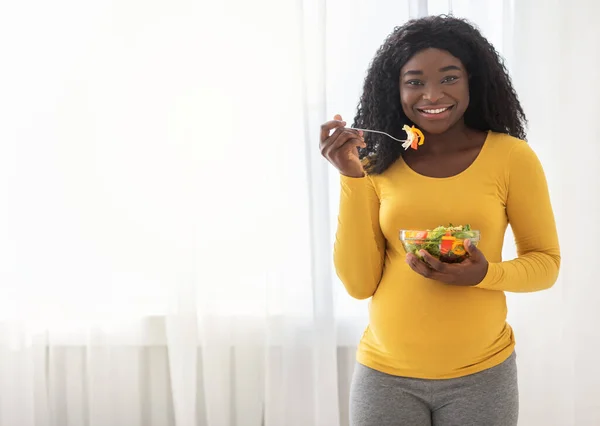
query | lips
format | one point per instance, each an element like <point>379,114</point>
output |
<point>435,109</point>
<point>435,112</point>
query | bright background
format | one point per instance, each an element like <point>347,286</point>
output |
<point>166,220</point>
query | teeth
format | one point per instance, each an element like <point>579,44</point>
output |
<point>434,111</point>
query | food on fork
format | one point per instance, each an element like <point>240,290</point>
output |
<point>414,137</point>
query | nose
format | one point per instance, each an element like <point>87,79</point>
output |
<point>432,93</point>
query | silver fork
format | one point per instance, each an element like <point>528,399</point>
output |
<point>383,133</point>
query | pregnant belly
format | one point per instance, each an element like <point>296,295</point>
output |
<point>415,318</point>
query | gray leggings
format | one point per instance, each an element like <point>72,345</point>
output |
<point>487,398</point>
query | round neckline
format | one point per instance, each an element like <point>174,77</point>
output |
<point>469,167</point>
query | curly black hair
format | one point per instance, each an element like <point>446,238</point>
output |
<point>493,101</point>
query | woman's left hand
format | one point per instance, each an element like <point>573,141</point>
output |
<point>469,272</point>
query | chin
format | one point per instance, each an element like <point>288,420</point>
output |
<point>433,128</point>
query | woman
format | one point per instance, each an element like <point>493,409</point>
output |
<point>437,350</point>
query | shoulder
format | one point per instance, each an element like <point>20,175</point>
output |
<point>387,179</point>
<point>505,144</point>
<point>368,161</point>
<point>509,150</point>
<point>520,165</point>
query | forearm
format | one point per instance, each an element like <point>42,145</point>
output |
<point>530,215</point>
<point>360,246</point>
<point>531,272</point>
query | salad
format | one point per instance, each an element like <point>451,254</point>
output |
<point>414,137</point>
<point>444,242</point>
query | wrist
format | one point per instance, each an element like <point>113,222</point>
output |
<point>484,272</point>
<point>355,175</point>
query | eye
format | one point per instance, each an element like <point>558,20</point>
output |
<point>450,79</point>
<point>414,82</point>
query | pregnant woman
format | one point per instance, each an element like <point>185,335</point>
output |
<point>438,350</point>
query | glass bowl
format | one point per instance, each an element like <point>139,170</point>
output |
<point>443,243</point>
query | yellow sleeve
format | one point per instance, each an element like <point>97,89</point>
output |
<point>359,245</point>
<point>531,218</point>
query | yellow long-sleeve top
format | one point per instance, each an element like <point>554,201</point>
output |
<point>423,328</point>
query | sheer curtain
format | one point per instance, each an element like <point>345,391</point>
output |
<point>167,220</point>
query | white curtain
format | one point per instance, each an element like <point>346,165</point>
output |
<point>167,220</point>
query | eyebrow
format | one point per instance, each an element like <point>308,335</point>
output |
<point>444,69</point>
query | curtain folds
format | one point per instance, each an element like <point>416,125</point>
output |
<point>168,221</point>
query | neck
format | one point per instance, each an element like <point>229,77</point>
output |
<point>451,140</point>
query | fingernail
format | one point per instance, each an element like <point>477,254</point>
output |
<point>422,252</point>
<point>360,132</point>
<point>344,123</point>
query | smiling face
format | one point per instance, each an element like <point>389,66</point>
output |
<point>434,90</point>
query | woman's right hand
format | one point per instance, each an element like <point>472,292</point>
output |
<point>341,147</point>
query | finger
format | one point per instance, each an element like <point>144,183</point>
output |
<point>329,140</point>
<point>325,145</point>
<point>347,136</point>
<point>348,149</point>
<point>434,263</point>
<point>328,144</point>
<point>418,266</point>
<point>353,145</point>
<point>472,250</point>
<point>337,117</point>
<point>329,126</point>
